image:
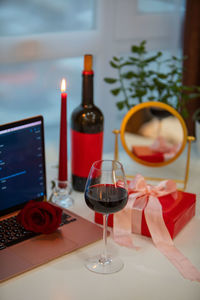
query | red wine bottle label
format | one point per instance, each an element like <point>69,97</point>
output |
<point>85,149</point>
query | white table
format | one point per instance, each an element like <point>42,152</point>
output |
<point>147,274</point>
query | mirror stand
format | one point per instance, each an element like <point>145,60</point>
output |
<point>184,181</point>
<point>190,139</point>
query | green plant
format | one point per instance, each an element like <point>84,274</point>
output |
<point>139,79</point>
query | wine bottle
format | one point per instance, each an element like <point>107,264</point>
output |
<point>87,123</point>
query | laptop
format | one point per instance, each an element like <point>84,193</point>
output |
<point>23,178</point>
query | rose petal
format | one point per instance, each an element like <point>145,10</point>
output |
<point>40,217</point>
<point>29,218</point>
<point>40,228</point>
<point>54,224</point>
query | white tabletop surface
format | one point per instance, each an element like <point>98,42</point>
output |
<point>147,274</point>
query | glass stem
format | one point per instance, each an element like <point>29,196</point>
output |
<point>104,257</point>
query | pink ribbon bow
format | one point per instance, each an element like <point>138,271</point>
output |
<point>145,197</point>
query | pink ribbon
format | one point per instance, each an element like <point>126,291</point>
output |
<point>145,197</point>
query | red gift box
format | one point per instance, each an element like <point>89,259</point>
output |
<point>147,154</point>
<point>98,218</point>
<point>176,213</point>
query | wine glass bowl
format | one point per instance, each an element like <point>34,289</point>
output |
<point>116,198</point>
<point>106,192</point>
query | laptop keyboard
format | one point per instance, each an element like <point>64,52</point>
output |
<point>11,232</point>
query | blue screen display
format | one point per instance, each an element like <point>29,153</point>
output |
<point>22,172</point>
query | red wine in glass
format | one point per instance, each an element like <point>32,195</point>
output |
<point>106,198</point>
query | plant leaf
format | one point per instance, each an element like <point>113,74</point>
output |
<point>110,80</point>
<point>114,65</point>
<point>115,92</point>
<point>152,58</point>
<point>141,49</point>
<point>133,59</point>
<point>129,75</point>
<point>133,96</point>
<point>151,98</point>
<point>116,58</point>
<point>120,104</point>
<point>162,76</point>
<point>128,63</point>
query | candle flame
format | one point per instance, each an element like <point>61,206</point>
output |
<point>63,85</point>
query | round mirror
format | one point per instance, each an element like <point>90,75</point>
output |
<point>153,133</point>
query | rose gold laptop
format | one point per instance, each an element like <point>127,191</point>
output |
<point>23,178</point>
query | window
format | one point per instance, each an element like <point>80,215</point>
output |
<point>160,6</point>
<point>26,17</point>
<point>43,41</point>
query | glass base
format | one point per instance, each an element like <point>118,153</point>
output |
<point>61,194</point>
<point>64,203</point>
<point>109,266</point>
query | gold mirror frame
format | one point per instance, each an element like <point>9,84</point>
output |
<point>186,139</point>
<point>141,106</point>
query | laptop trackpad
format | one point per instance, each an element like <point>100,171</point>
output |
<point>44,248</point>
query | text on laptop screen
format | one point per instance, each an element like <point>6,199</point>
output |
<point>22,174</point>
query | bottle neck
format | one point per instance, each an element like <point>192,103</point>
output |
<point>87,88</point>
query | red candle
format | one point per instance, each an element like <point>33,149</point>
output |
<point>63,134</point>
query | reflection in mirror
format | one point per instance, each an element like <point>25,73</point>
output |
<point>154,135</point>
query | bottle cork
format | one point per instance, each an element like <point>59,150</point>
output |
<point>88,62</point>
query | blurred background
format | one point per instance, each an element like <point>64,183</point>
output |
<point>42,41</point>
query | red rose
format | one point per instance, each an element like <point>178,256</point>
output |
<point>40,217</point>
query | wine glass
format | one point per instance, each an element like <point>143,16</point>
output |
<point>106,193</point>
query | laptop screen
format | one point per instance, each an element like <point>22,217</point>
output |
<point>22,163</point>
